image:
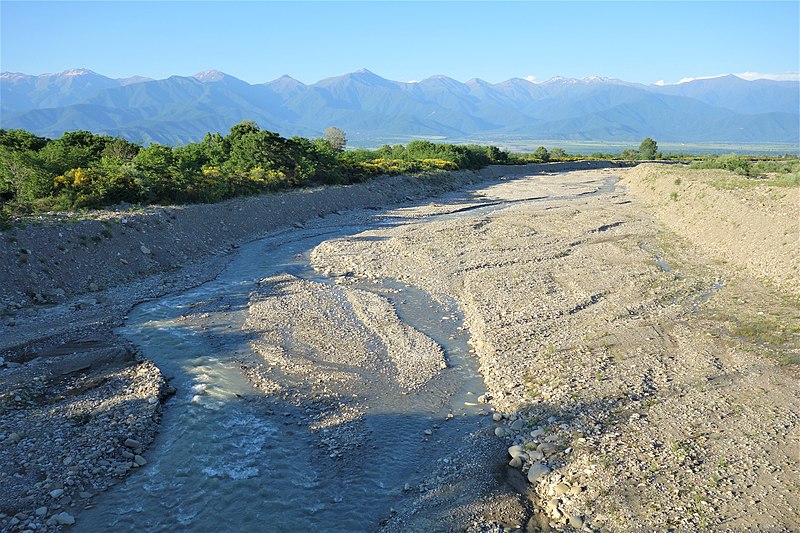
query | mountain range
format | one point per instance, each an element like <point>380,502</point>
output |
<point>371,109</point>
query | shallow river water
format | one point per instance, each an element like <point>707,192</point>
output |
<point>227,459</point>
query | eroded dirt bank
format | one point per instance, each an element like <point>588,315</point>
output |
<point>641,383</point>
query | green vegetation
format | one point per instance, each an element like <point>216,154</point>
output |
<point>648,149</point>
<point>776,171</point>
<point>84,170</point>
<point>336,138</point>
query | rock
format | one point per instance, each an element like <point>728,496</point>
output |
<point>576,521</point>
<point>41,511</point>
<point>497,417</point>
<point>67,461</point>
<point>126,454</point>
<point>515,462</point>
<point>561,488</point>
<point>56,493</point>
<point>64,518</point>
<point>132,443</point>
<point>139,460</point>
<point>145,250</point>
<point>517,451</point>
<point>93,287</point>
<point>517,424</point>
<point>484,398</point>
<point>575,490</point>
<point>428,432</point>
<point>14,438</point>
<point>536,455</point>
<point>536,471</point>
<point>500,432</point>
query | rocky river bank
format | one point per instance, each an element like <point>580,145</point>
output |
<point>631,382</point>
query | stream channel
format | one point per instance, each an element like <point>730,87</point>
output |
<point>227,458</point>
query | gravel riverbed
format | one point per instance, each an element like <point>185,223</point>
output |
<point>637,376</point>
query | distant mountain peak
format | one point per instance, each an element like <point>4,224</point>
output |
<point>683,81</point>
<point>600,79</point>
<point>76,72</point>
<point>366,74</point>
<point>210,75</point>
<point>560,79</point>
<point>442,78</point>
<point>13,76</point>
<point>518,81</point>
<point>285,82</point>
<point>289,80</point>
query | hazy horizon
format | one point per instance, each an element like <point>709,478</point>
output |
<point>747,76</point>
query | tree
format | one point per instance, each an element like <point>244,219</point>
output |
<point>120,149</point>
<point>648,149</point>
<point>558,154</point>
<point>541,154</point>
<point>21,140</point>
<point>336,138</point>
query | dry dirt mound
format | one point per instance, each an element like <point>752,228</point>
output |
<point>754,228</point>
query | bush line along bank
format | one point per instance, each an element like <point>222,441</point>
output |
<point>86,170</point>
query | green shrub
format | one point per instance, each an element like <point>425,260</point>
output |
<point>732,162</point>
<point>82,170</point>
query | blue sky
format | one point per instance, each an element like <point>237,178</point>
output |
<point>259,41</point>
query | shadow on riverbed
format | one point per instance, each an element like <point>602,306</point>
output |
<point>242,461</point>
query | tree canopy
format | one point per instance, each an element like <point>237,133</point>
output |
<point>82,169</point>
<point>648,149</point>
<point>336,137</point>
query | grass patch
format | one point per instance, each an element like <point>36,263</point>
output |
<point>746,173</point>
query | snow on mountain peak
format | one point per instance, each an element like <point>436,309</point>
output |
<point>75,72</point>
<point>209,75</point>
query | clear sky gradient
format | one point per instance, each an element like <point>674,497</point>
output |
<point>259,41</point>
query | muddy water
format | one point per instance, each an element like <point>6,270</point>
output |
<point>228,459</point>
